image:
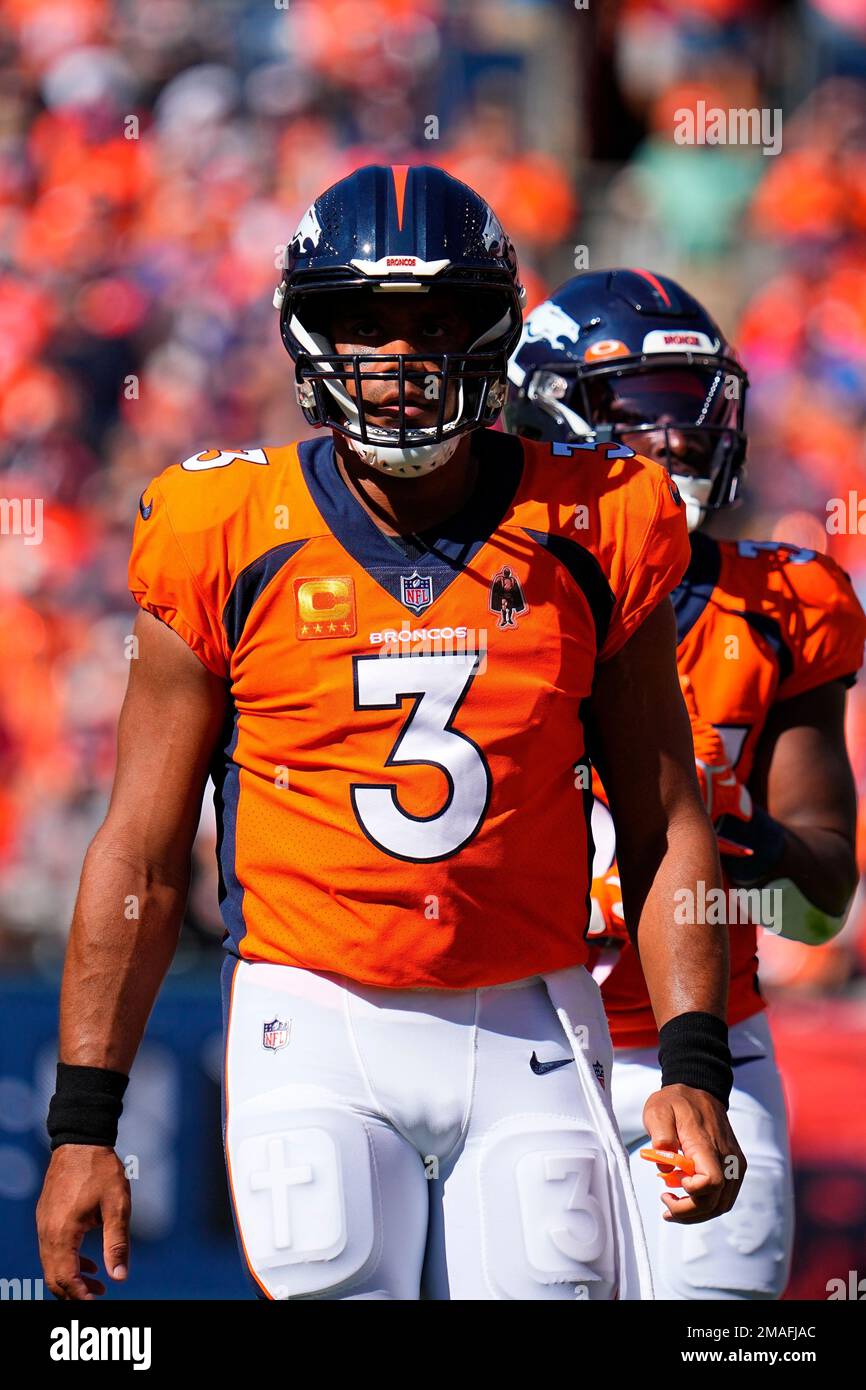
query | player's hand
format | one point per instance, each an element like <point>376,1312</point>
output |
<point>606,919</point>
<point>722,791</point>
<point>680,1117</point>
<point>85,1186</point>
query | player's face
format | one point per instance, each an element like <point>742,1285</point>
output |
<point>680,401</point>
<point>390,325</point>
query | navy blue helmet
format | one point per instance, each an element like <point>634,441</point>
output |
<point>629,355</point>
<point>411,229</point>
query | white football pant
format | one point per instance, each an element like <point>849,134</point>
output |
<point>445,1144</point>
<point>745,1254</point>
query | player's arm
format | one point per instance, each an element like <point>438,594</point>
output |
<point>804,779</point>
<point>665,841</point>
<point>666,844</point>
<point>124,933</point>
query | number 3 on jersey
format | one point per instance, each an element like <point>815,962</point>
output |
<point>438,683</point>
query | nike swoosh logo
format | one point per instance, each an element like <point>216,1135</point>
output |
<point>145,510</point>
<point>541,1067</point>
<point>741,1061</point>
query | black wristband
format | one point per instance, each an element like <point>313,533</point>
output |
<point>693,1051</point>
<point>86,1106</point>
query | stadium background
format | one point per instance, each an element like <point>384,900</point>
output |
<point>136,328</point>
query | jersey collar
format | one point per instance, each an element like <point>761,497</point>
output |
<point>442,552</point>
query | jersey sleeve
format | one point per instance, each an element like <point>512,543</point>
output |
<point>825,625</point>
<point>172,576</point>
<point>651,551</point>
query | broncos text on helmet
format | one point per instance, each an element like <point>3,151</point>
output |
<point>630,355</point>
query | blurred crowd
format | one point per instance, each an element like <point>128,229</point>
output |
<point>154,160</point>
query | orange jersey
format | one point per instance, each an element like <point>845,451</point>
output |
<point>757,622</point>
<point>397,796</point>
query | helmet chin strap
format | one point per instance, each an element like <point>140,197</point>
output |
<point>412,462</point>
<point>695,493</point>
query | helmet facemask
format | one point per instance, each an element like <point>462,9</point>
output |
<point>450,392</point>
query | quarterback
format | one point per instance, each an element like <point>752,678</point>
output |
<point>389,645</point>
<point>768,638</point>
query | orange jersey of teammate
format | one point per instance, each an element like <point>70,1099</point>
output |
<point>397,795</point>
<point>757,622</point>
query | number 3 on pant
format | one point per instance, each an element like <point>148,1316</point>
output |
<point>438,683</point>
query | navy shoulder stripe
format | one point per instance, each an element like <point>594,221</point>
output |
<point>251,582</point>
<point>695,589</point>
<point>587,574</point>
<point>771,631</point>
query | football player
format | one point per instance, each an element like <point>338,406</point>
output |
<point>417,1062</point>
<point>769,636</point>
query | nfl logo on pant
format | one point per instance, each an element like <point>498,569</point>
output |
<point>276,1034</point>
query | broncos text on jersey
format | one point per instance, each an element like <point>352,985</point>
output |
<point>396,794</point>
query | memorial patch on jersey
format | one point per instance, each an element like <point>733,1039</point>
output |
<point>325,607</point>
<point>506,597</point>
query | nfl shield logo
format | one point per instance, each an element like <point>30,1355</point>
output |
<point>276,1034</point>
<point>416,592</point>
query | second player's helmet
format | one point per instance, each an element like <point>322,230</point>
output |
<point>411,229</point>
<point>632,356</point>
